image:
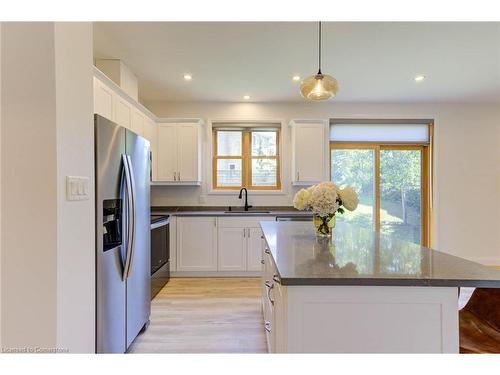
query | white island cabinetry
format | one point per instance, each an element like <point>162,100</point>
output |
<point>320,296</point>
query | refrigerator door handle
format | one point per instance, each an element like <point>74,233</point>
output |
<point>130,213</point>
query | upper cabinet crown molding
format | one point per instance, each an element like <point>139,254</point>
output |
<point>309,151</point>
<point>168,120</point>
<point>117,90</point>
<point>121,74</point>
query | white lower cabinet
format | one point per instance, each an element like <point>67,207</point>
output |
<point>232,248</point>
<point>196,244</point>
<point>221,244</point>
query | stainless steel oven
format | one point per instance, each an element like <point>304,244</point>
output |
<point>160,252</point>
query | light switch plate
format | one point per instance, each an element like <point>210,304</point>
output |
<point>77,188</point>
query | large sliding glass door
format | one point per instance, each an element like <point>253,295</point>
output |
<point>355,166</point>
<point>392,182</point>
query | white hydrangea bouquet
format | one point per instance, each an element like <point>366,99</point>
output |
<point>325,200</point>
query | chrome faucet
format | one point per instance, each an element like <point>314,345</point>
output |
<point>246,198</point>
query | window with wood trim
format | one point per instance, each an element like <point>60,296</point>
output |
<point>389,164</point>
<point>246,157</point>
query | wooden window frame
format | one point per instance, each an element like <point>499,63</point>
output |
<point>246,158</point>
<point>426,171</point>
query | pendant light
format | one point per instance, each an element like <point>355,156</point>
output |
<point>319,86</point>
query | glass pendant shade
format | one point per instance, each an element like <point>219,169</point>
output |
<point>319,87</point>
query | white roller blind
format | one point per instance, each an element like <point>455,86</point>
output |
<point>393,133</point>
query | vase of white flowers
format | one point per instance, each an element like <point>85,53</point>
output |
<point>325,200</point>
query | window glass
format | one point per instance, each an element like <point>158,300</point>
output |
<point>400,194</point>
<point>246,157</point>
<point>229,172</point>
<point>355,168</point>
<point>229,143</point>
<point>264,172</point>
<point>264,143</point>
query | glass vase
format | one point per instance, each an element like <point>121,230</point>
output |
<point>324,225</point>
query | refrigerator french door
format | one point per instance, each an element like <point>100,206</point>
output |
<point>122,236</point>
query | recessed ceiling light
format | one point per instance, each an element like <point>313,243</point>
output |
<point>188,77</point>
<point>419,78</point>
<point>246,97</point>
<point>296,78</point>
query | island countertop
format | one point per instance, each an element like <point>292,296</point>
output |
<point>359,256</point>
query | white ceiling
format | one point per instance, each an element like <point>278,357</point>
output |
<point>373,62</point>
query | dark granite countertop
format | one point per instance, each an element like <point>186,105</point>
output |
<point>221,211</point>
<point>359,256</point>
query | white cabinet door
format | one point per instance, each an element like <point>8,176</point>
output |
<point>167,153</point>
<point>187,154</point>
<point>196,244</point>
<point>136,123</point>
<point>254,249</point>
<point>309,153</point>
<point>232,249</point>
<point>150,133</point>
<point>103,100</point>
<point>123,112</point>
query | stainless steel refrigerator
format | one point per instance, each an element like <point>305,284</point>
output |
<point>122,166</point>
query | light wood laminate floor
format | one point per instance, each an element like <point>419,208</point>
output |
<point>205,315</point>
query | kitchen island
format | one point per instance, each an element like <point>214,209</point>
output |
<point>361,292</point>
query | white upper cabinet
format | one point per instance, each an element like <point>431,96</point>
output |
<point>179,152</point>
<point>309,152</point>
<point>188,152</point>
<point>149,128</point>
<point>113,103</point>
<point>167,153</point>
<point>137,122</point>
<point>103,100</point>
<point>123,112</point>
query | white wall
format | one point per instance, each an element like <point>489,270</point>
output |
<point>75,157</point>
<point>0,184</point>
<point>47,133</point>
<point>467,164</point>
<point>29,191</point>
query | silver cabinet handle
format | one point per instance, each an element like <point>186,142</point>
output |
<point>262,237</point>
<point>175,177</point>
<point>179,176</point>
<point>298,176</point>
<point>267,326</point>
<point>269,287</point>
<point>244,232</point>
<point>276,279</point>
<point>262,261</point>
<point>248,232</point>
<point>267,251</point>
